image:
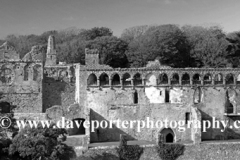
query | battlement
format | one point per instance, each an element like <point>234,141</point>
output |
<point>91,57</point>
<point>91,51</point>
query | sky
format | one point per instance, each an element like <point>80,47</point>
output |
<point>24,17</point>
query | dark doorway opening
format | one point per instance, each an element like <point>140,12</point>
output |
<point>169,138</point>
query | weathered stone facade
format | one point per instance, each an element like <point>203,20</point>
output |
<point>37,84</point>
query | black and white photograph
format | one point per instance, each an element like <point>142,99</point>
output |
<point>119,80</point>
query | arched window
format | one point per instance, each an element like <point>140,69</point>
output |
<point>126,79</point>
<point>197,97</point>
<point>218,79</point>
<point>92,80</point>
<point>175,79</point>
<point>163,78</point>
<point>207,79</point>
<point>196,79</point>
<point>230,106</point>
<point>185,79</point>
<point>151,80</point>
<point>26,72</point>
<point>229,79</point>
<point>116,80</point>
<point>6,75</point>
<point>137,79</point>
<point>104,79</point>
<point>167,135</point>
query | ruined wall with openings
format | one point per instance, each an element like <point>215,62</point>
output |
<point>160,93</point>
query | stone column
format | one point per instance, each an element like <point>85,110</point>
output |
<point>213,82</point>
<point>202,80</point>
<point>234,80</point>
<point>121,83</point>
<point>224,80</point>
<point>191,80</point>
<point>110,83</point>
<point>180,80</point>
<point>169,81</point>
<point>132,83</point>
<point>98,82</point>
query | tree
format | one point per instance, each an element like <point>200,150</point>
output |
<point>112,50</point>
<point>167,43</point>
<point>40,143</point>
<point>234,48</point>
<point>208,46</point>
<point>129,34</point>
<point>91,34</point>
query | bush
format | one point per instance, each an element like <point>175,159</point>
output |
<point>131,152</point>
<point>170,151</point>
<point>44,143</point>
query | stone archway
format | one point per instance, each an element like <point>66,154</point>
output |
<point>167,135</point>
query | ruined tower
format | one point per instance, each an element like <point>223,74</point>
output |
<point>51,58</point>
<point>91,57</point>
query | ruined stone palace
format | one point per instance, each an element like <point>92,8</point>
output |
<point>37,87</point>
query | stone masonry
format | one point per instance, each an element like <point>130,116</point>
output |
<point>36,86</point>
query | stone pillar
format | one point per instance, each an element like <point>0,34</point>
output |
<point>121,83</point>
<point>213,82</point>
<point>191,80</point>
<point>234,81</point>
<point>132,83</point>
<point>202,80</point>
<point>180,80</point>
<point>110,83</point>
<point>224,80</point>
<point>98,82</point>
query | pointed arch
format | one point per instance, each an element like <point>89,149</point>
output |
<point>26,72</point>
<point>196,79</point>
<point>218,79</point>
<point>137,79</point>
<point>229,78</point>
<point>104,79</point>
<point>116,80</point>
<point>175,78</point>
<point>197,96</point>
<point>167,135</point>
<point>163,78</point>
<point>185,79</point>
<point>92,80</point>
<point>207,79</point>
<point>126,79</point>
<point>151,80</point>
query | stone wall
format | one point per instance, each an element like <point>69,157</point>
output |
<point>204,151</point>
